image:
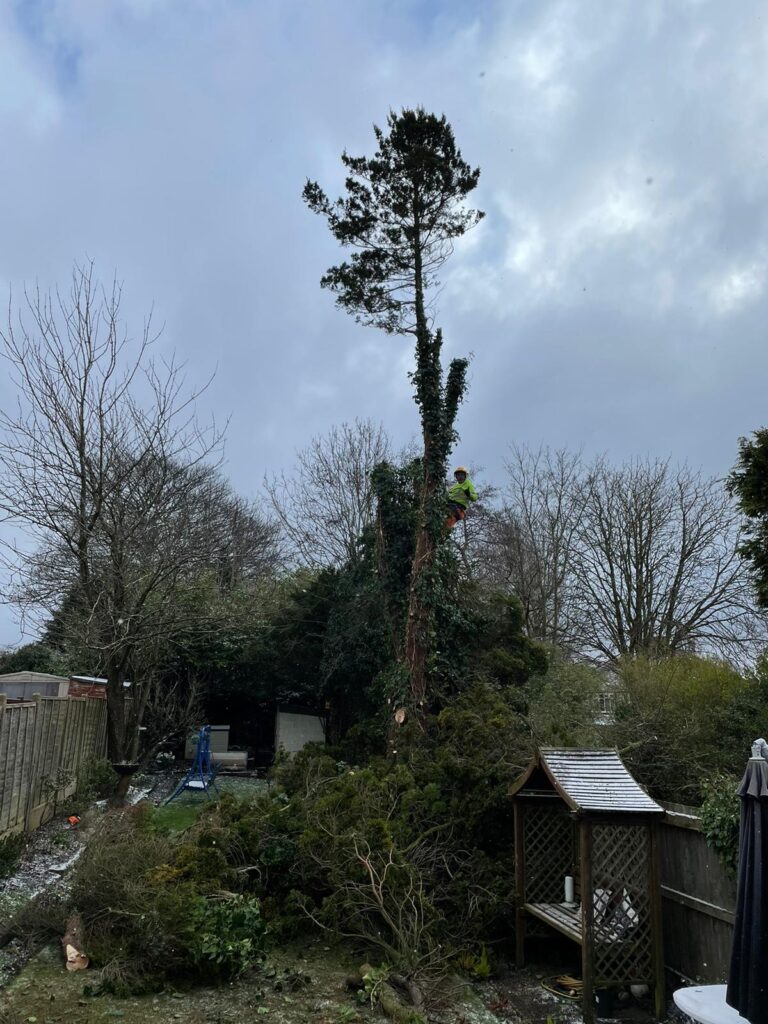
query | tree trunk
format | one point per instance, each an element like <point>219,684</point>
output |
<point>122,729</point>
<point>419,616</point>
<point>429,400</point>
<point>121,789</point>
<point>116,718</point>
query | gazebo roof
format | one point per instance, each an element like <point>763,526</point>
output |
<point>589,780</point>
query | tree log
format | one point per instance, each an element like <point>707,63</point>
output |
<point>397,1010</point>
<point>72,944</point>
<point>390,1002</point>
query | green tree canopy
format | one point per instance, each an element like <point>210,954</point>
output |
<point>401,213</point>
<point>749,483</point>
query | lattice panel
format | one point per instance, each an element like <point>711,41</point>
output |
<point>621,869</point>
<point>549,852</point>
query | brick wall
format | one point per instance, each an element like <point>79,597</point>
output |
<point>81,689</point>
<point>43,744</point>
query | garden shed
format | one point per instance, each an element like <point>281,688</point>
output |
<point>24,685</point>
<point>587,865</point>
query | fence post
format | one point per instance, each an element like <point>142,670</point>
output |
<point>657,927</point>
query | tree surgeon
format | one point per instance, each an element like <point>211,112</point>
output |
<point>459,497</point>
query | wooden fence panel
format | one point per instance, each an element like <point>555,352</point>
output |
<point>16,752</point>
<point>46,726</point>
<point>43,744</point>
<point>698,900</point>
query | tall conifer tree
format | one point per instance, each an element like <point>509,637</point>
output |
<point>402,209</point>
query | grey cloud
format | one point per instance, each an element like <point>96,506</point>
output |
<point>171,141</point>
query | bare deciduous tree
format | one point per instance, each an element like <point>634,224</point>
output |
<point>656,567</point>
<point>242,543</point>
<point>531,538</point>
<point>609,562</point>
<point>106,467</point>
<point>323,508</point>
<point>166,705</point>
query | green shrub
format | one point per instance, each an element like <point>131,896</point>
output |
<point>229,935</point>
<point>413,858</point>
<point>152,911</point>
<point>564,704</point>
<point>95,780</point>
<point>720,816</point>
<point>208,858</point>
<point>479,966</point>
<point>137,921</point>
<point>658,701</point>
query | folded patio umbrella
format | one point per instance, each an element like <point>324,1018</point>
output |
<point>748,976</point>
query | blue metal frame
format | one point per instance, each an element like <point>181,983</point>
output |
<point>203,770</point>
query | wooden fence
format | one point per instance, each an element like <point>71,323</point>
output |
<point>698,900</point>
<point>43,744</point>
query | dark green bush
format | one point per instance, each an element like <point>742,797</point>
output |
<point>414,857</point>
<point>720,815</point>
<point>137,912</point>
<point>410,854</point>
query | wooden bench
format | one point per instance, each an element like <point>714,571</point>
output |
<point>567,920</point>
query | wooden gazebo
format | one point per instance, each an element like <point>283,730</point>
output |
<point>579,814</point>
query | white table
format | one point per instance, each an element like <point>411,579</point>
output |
<point>706,1004</point>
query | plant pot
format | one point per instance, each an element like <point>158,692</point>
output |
<point>123,768</point>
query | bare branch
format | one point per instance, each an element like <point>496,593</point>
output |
<point>323,508</point>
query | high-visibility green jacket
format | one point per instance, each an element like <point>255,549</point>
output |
<point>462,494</point>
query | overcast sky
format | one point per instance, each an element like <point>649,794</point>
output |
<point>614,298</point>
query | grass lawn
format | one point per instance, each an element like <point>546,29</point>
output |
<point>186,808</point>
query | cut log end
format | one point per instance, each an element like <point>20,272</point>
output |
<point>72,944</point>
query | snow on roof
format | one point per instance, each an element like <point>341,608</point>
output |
<point>96,679</point>
<point>590,780</point>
